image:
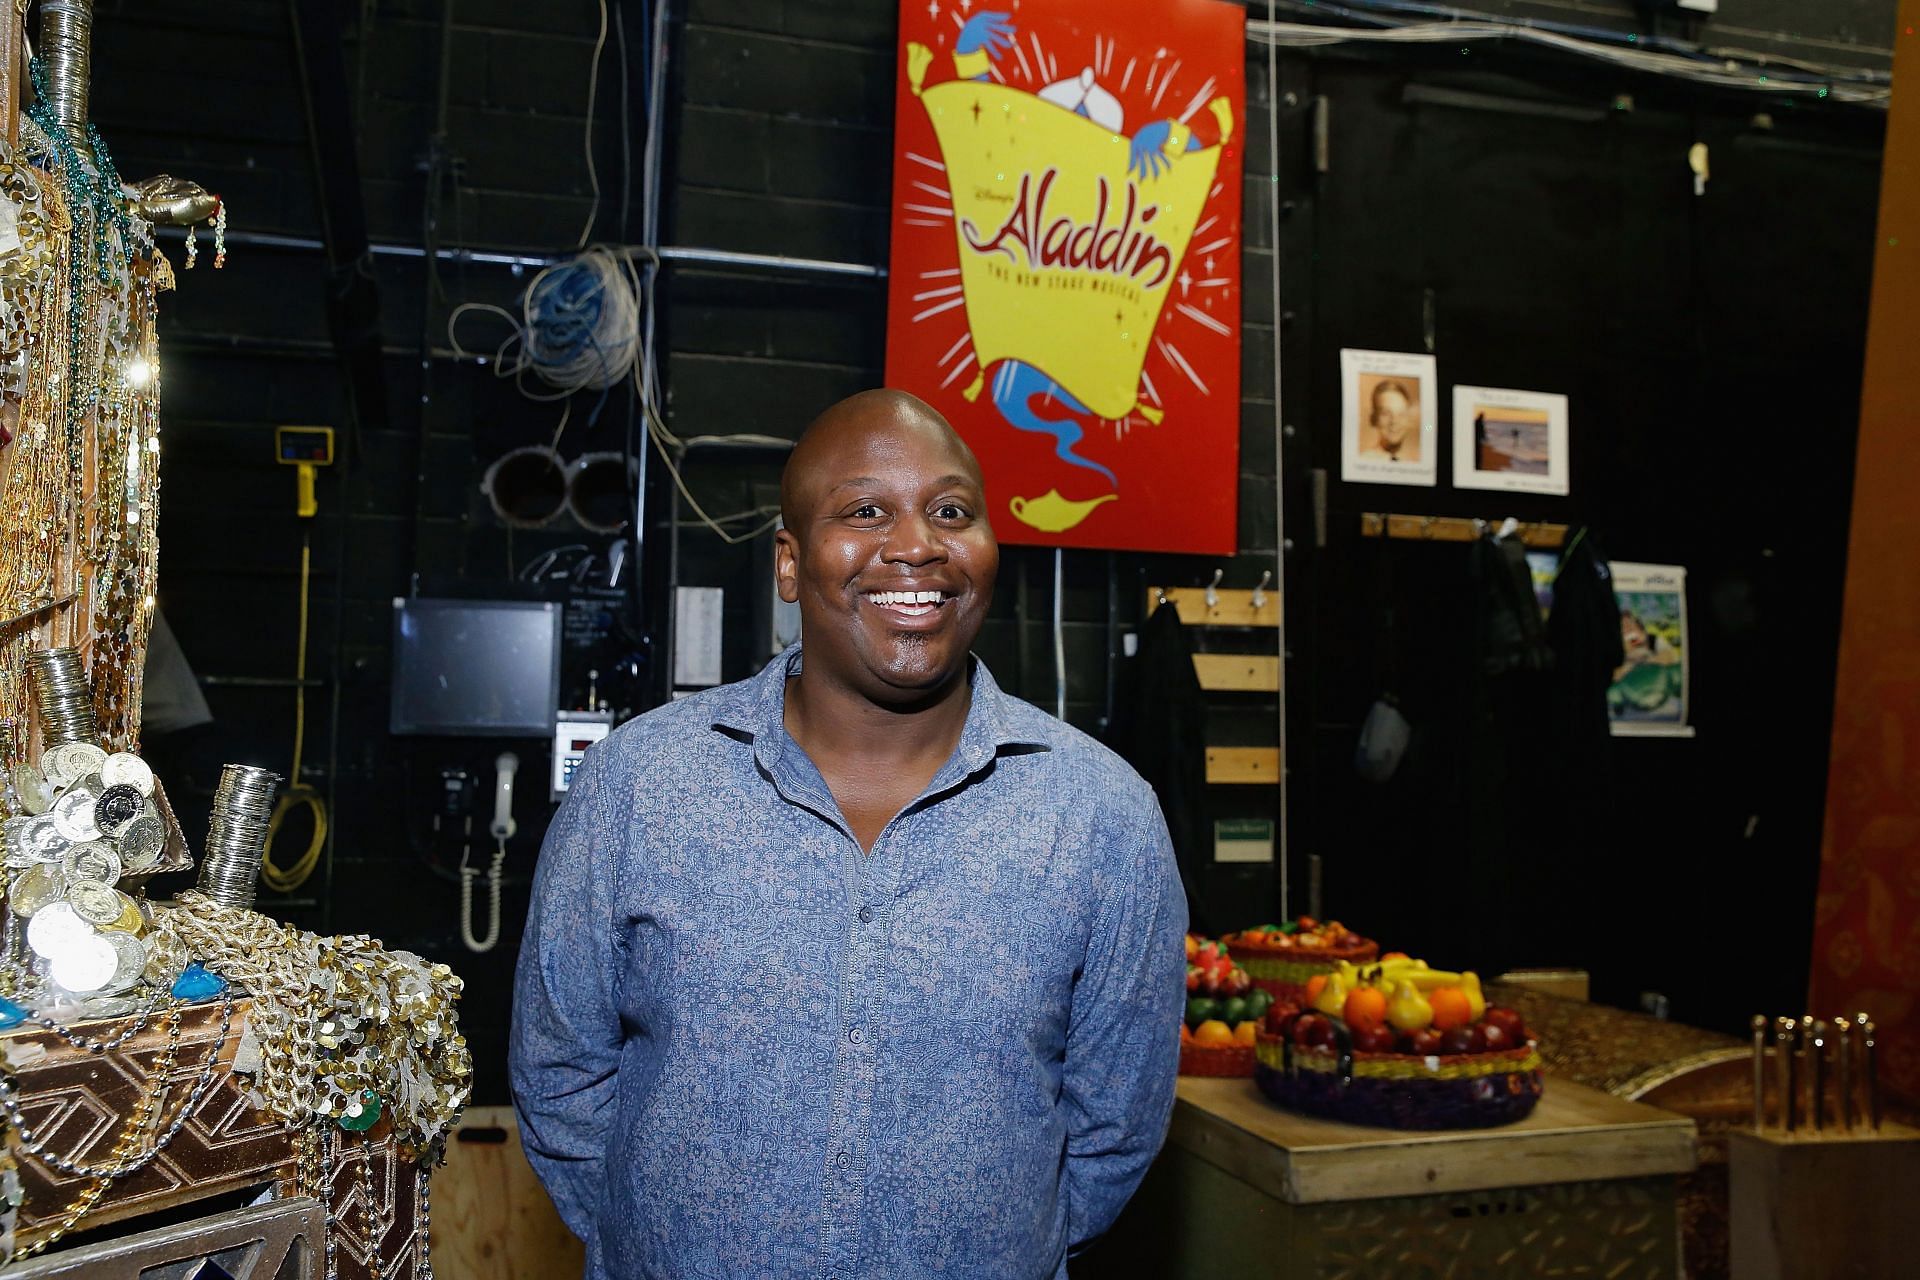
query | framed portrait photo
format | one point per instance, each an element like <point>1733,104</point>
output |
<point>1389,418</point>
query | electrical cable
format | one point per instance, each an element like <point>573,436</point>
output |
<point>1840,85</point>
<point>275,877</point>
<point>666,443</point>
<point>468,874</point>
<point>593,89</point>
<point>578,329</point>
<point>626,109</point>
<point>588,323</point>
<point>1366,9</point>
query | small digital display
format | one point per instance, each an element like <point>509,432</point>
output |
<point>475,668</point>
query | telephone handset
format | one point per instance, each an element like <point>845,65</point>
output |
<point>502,828</point>
<point>507,765</point>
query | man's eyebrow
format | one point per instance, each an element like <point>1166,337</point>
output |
<point>855,482</point>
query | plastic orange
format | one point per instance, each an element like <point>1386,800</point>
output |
<point>1451,1008</point>
<point>1247,1033</point>
<point>1314,984</point>
<point>1193,946</point>
<point>1366,1008</point>
<point>1186,1035</point>
<point>1213,1034</point>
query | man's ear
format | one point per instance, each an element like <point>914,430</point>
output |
<point>786,571</point>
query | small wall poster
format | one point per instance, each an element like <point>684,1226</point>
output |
<point>1511,440</point>
<point>1389,418</point>
<point>1648,696</point>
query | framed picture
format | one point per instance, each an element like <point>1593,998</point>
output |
<point>1511,440</point>
<point>1389,418</point>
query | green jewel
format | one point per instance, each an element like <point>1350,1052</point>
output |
<point>363,1114</point>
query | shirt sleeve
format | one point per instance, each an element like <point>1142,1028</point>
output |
<point>566,1038</point>
<point>1123,1039</point>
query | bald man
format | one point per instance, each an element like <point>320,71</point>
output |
<point>859,967</point>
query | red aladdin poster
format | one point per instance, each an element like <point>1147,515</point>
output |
<point>1065,278</point>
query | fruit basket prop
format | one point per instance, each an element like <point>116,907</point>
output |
<point>1283,958</point>
<point>1223,1013</point>
<point>1399,1046</point>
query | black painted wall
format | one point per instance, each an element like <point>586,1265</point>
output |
<point>1746,306</point>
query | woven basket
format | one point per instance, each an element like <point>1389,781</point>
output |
<point>1209,1060</point>
<point>1284,972</point>
<point>1400,1090</point>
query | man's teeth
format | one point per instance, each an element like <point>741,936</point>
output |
<point>897,598</point>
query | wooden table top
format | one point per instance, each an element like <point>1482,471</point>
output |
<point>1575,1134</point>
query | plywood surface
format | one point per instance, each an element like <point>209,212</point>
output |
<point>1238,672</point>
<point>1823,1206</point>
<point>1243,764</point>
<point>492,1220</point>
<point>1576,1134</point>
<point>1231,608</point>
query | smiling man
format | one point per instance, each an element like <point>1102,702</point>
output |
<point>859,967</point>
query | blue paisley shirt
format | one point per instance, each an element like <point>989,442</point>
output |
<point>744,1048</point>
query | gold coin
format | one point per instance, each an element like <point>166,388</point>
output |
<point>96,903</point>
<point>34,888</point>
<point>131,920</point>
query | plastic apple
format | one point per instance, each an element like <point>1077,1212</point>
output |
<point>1508,1020</point>
<point>1280,1018</point>
<point>1493,1037</point>
<point>1425,1041</point>
<point>1312,1030</point>
<point>1375,1039</point>
<point>1457,1040</point>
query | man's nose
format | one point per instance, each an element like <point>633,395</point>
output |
<point>911,540</point>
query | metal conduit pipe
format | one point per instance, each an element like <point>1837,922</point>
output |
<point>668,253</point>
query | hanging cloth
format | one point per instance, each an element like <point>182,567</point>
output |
<point>1160,728</point>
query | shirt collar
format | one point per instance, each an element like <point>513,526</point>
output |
<point>756,708</point>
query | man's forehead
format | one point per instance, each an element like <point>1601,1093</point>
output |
<point>873,447</point>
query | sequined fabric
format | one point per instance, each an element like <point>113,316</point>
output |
<point>743,1048</point>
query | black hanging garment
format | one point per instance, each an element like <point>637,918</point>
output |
<point>1501,908</point>
<point>1160,728</point>
<point>1584,630</point>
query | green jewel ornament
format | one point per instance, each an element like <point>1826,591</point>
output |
<point>361,1114</point>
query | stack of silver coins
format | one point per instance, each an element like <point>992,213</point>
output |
<point>237,837</point>
<point>63,696</point>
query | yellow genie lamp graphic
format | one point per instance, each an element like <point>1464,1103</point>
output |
<point>1070,236</point>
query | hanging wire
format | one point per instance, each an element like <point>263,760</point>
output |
<point>1748,71</point>
<point>578,329</point>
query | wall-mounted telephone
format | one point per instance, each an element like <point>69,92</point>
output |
<point>505,767</point>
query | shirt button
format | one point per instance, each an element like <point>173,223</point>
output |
<point>854,1035</point>
<point>866,915</point>
<point>844,1159</point>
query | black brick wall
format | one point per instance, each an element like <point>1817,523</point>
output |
<point>778,141</point>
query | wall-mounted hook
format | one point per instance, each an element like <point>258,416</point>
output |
<point>1161,596</point>
<point>1259,600</point>
<point>1213,589</point>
